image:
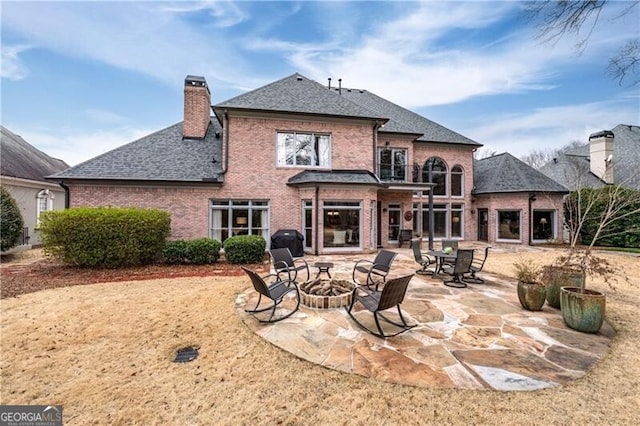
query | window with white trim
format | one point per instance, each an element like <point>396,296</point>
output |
<point>239,217</point>
<point>44,203</point>
<point>457,181</point>
<point>303,149</point>
<point>508,224</point>
<point>392,164</point>
<point>438,174</point>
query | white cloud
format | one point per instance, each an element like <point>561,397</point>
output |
<point>12,67</point>
<point>224,13</point>
<point>548,128</point>
<point>144,37</point>
<point>75,147</point>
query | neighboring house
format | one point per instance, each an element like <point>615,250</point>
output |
<point>610,157</point>
<point>23,174</point>
<point>507,193</point>
<point>345,167</point>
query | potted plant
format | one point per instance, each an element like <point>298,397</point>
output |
<point>584,309</point>
<point>556,276</point>
<point>531,290</point>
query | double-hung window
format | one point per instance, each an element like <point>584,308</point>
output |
<point>304,149</point>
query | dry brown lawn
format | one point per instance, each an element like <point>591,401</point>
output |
<point>104,351</point>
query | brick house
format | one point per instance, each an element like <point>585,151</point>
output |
<point>346,168</point>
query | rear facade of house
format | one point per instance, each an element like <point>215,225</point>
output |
<point>347,169</point>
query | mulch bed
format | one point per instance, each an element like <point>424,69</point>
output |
<point>45,274</point>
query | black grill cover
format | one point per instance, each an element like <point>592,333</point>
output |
<point>289,238</point>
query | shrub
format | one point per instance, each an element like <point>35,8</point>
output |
<point>199,251</point>
<point>175,252</point>
<point>245,249</point>
<point>203,250</point>
<point>11,222</point>
<point>104,236</point>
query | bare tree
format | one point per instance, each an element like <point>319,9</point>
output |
<point>584,203</point>
<point>537,158</point>
<point>556,19</point>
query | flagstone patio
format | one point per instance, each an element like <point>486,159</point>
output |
<point>471,338</point>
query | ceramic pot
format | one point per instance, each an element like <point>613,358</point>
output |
<point>531,295</point>
<point>582,310</point>
<point>556,277</point>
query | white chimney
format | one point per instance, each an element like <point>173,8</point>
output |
<point>601,158</point>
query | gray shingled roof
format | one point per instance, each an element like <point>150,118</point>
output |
<point>297,94</point>
<point>402,120</point>
<point>352,177</point>
<point>21,160</point>
<point>505,173</point>
<point>573,166</point>
<point>160,156</point>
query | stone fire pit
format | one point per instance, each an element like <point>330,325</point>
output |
<point>326,293</point>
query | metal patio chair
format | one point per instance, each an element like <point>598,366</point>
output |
<point>376,301</point>
<point>283,262</point>
<point>421,258</point>
<point>275,291</point>
<point>461,266</point>
<point>378,268</point>
<point>476,266</point>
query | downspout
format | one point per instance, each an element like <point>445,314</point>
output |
<point>225,133</point>
<point>66,194</point>
<point>532,198</point>
<point>374,226</point>
<point>431,217</point>
<point>376,126</point>
<point>317,213</point>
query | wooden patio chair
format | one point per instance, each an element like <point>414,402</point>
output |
<point>464,258</point>
<point>376,301</point>
<point>283,262</point>
<point>379,268</point>
<point>275,291</point>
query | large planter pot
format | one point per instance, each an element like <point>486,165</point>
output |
<point>582,311</point>
<point>556,277</point>
<point>531,295</point>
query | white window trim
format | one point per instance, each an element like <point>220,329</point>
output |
<point>47,195</point>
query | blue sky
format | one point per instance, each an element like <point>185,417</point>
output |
<point>82,78</point>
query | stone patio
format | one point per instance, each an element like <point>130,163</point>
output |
<point>471,338</point>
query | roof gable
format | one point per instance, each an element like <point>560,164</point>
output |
<point>505,173</point>
<point>297,94</point>
<point>402,120</point>
<point>21,160</point>
<point>160,156</point>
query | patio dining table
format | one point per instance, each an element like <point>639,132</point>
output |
<point>442,258</point>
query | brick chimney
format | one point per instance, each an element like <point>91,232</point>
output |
<point>601,155</point>
<point>197,106</point>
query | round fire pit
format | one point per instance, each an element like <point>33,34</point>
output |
<point>326,293</point>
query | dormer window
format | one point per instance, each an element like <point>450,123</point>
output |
<point>303,149</point>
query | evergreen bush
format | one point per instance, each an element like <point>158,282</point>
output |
<point>11,222</point>
<point>199,251</point>
<point>105,236</point>
<point>245,249</point>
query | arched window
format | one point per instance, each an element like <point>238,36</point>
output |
<point>457,179</point>
<point>438,173</point>
<point>44,203</point>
